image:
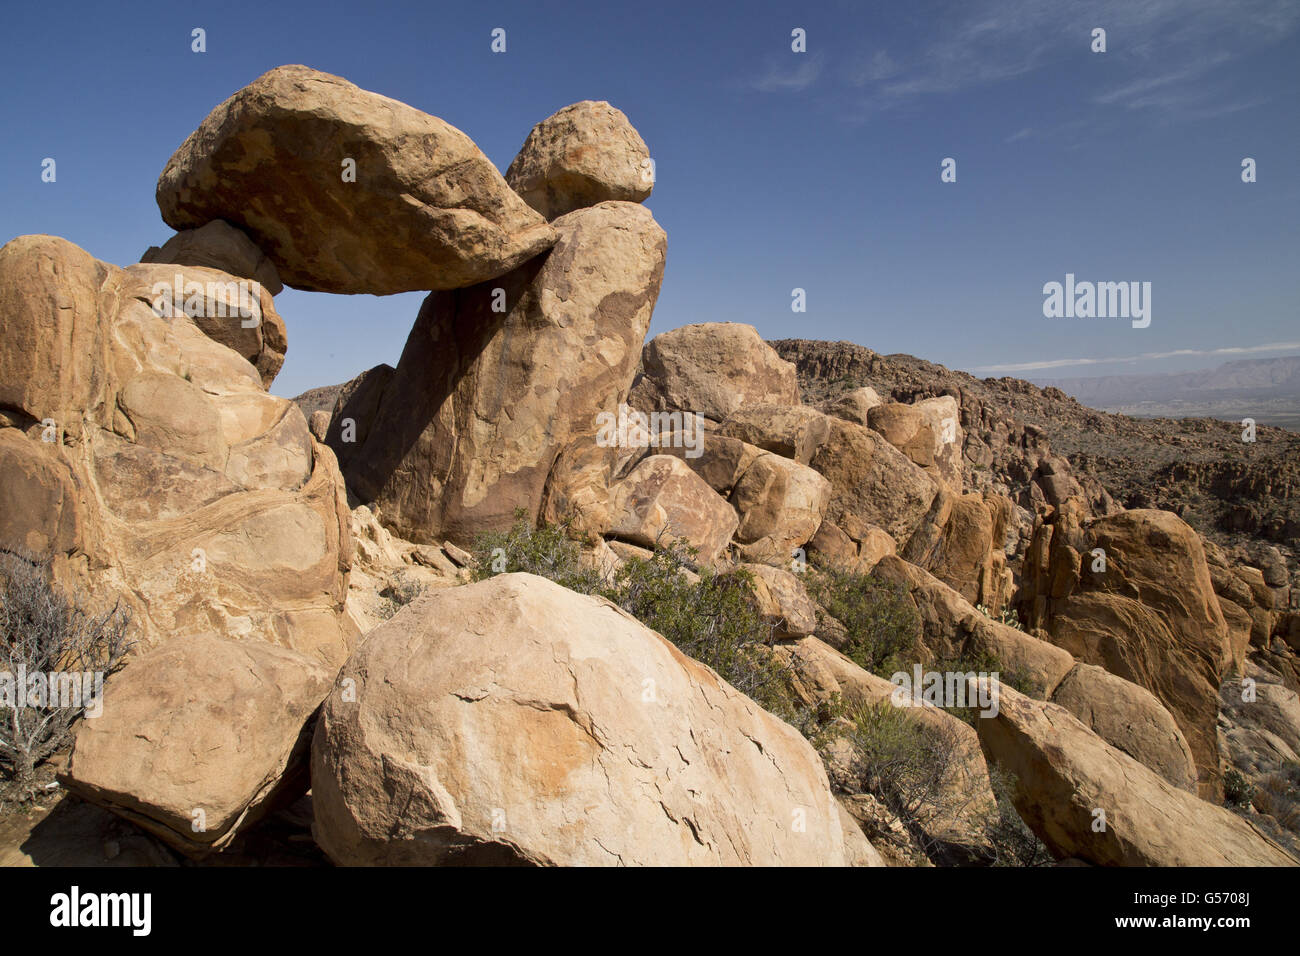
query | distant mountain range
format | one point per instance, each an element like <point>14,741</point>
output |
<point>1267,390</point>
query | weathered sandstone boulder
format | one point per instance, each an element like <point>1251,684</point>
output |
<point>146,461</point>
<point>854,406</point>
<point>792,431</point>
<point>857,547</point>
<point>782,601</point>
<point>482,402</point>
<point>712,369</point>
<point>200,738</point>
<point>873,481</point>
<point>1149,615</point>
<point>1066,777</point>
<point>781,504</point>
<point>238,314</point>
<point>928,432</point>
<point>513,721</point>
<point>583,155</point>
<point>1129,718</point>
<point>218,245</point>
<point>349,191</point>
<point>661,500</point>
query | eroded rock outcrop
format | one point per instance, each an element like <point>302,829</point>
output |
<point>1131,592</point>
<point>712,369</point>
<point>146,462</point>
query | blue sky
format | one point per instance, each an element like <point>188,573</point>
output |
<point>775,169</point>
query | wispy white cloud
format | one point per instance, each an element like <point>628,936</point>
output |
<point>1162,55</point>
<point>1145,357</point>
<point>790,73</point>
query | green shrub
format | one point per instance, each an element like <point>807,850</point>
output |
<point>1238,791</point>
<point>881,625</point>
<point>986,663</point>
<point>547,552</point>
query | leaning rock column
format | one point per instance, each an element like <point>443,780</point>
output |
<point>497,378</point>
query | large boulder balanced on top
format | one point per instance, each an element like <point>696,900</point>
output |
<point>482,401</point>
<point>200,738</point>
<point>583,155</point>
<point>1149,616</point>
<point>349,191</point>
<point>514,721</point>
<point>146,462</point>
<point>712,369</point>
<point>1066,777</point>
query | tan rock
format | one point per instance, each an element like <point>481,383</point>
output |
<point>854,406</point>
<point>782,601</point>
<point>792,431</point>
<point>712,369</point>
<point>506,722</point>
<point>781,504</point>
<point>482,403</point>
<point>218,245</point>
<point>873,481</point>
<point>1066,776</point>
<point>1151,617</point>
<point>661,499</point>
<point>349,191</point>
<point>172,480</point>
<point>200,738</point>
<point>1129,718</point>
<point>583,155</point>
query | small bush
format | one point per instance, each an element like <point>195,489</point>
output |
<point>881,624</point>
<point>907,765</point>
<point>985,663</point>
<point>1238,791</point>
<point>43,631</point>
<point>1009,617</point>
<point>547,552</point>
<point>1278,795</point>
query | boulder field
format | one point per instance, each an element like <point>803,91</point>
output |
<point>309,615</point>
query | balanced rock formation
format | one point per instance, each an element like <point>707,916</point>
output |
<point>349,191</point>
<point>1087,799</point>
<point>583,155</point>
<point>513,721</point>
<point>712,369</point>
<point>146,462</point>
<point>200,738</point>
<point>483,401</point>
